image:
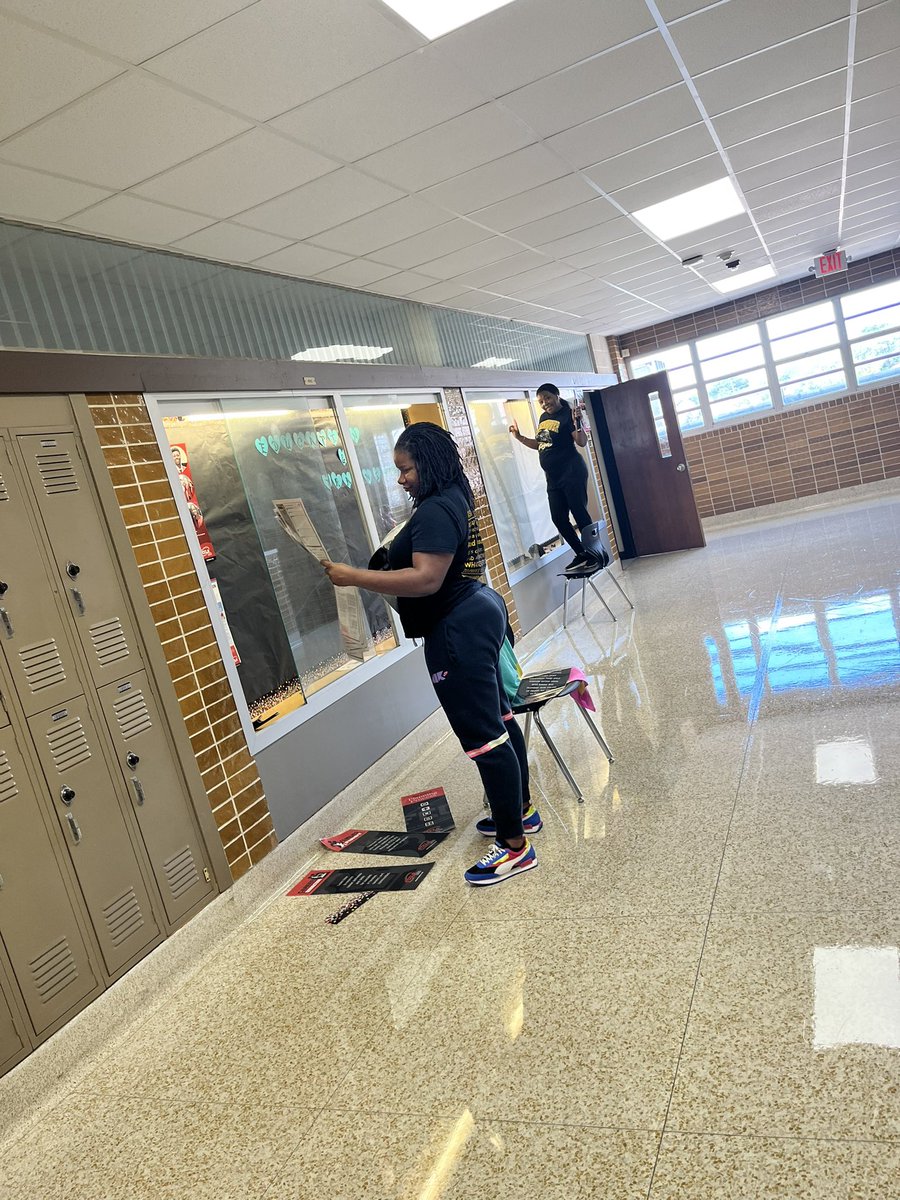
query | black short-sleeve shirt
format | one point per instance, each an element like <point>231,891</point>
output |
<point>556,446</point>
<point>441,524</point>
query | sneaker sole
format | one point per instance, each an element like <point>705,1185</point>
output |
<point>502,878</point>
<point>528,830</point>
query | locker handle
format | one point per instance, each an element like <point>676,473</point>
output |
<point>138,789</point>
<point>7,623</point>
<point>76,831</point>
<point>79,599</point>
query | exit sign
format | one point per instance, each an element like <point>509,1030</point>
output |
<point>828,264</point>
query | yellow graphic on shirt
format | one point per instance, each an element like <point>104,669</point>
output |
<point>546,429</point>
<point>473,568</point>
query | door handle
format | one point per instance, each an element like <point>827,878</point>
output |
<point>7,623</point>
<point>79,600</point>
<point>681,467</point>
<point>76,830</point>
<point>138,789</point>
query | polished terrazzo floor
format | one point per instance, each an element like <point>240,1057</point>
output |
<point>696,995</point>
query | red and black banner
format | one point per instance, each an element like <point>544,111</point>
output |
<point>427,812</point>
<point>382,841</point>
<point>361,879</point>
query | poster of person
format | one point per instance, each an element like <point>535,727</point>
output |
<point>180,458</point>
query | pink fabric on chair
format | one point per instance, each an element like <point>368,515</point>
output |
<point>582,696</point>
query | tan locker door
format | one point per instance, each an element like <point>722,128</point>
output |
<point>157,794</point>
<point>31,629</point>
<point>37,922</point>
<point>85,800</point>
<point>11,1042</point>
<point>81,550</point>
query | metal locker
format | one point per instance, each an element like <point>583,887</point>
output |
<point>157,794</point>
<point>81,550</point>
<point>86,803</point>
<point>37,922</point>
<point>32,633</point>
<point>12,1044</point>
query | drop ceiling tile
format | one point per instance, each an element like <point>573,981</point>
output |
<point>651,160</point>
<point>795,62</point>
<point>872,200</point>
<point>326,202</point>
<point>876,75</point>
<point>624,129</point>
<point>42,73</point>
<point>884,134</point>
<point>230,243</point>
<point>301,259</point>
<point>34,196</point>
<point>571,220</point>
<point>276,54</point>
<point>883,106</point>
<point>785,166</point>
<point>633,243</point>
<point>448,150</point>
<point>671,183</point>
<point>433,243</point>
<point>508,284</point>
<point>358,273</point>
<point>531,39</point>
<point>130,31</point>
<point>535,203</point>
<point>877,29</point>
<point>493,275</point>
<point>596,86</point>
<point>498,180</point>
<point>775,222</point>
<point>714,237</point>
<point>246,171</point>
<point>399,100</point>
<point>882,171</point>
<point>469,258</point>
<point>783,108</point>
<point>730,31</point>
<point>131,219</point>
<point>792,139</point>
<point>588,239</point>
<point>795,185</point>
<point>418,287</point>
<point>385,226</point>
<point>126,131</point>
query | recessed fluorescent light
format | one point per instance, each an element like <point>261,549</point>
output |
<point>702,206</point>
<point>494,362</point>
<point>743,279</point>
<point>341,353</point>
<point>437,17</point>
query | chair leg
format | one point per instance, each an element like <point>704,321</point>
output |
<point>560,761</point>
<point>582,594</point>
<point>527,734</point>
<point>592,725</point>
<point>565,602</point>
<point>621,589</point>
<point>602,601</point>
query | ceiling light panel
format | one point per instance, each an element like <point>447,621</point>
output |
<point>434,18</point>
<point>707,205</point>
<point>744,279</point>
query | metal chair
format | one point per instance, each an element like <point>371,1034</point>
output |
<point>587,577</point>
<point>536,691</point>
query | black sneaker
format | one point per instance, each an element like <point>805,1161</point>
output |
<point>579,563</point>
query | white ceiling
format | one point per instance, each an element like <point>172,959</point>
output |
<point>494,169</point>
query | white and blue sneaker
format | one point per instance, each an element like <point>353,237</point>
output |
<point>501,863</point>
<point>531,823</point>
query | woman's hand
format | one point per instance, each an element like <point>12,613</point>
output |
<point>340,574</point>
<point>514,429</point>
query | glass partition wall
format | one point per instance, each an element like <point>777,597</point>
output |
<point>270,484</point>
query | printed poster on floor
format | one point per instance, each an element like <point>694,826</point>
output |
<point>361,879</point>
<point>381,841</point>
<point>427,812</point>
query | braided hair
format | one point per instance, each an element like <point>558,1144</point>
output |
<point>437,460</point>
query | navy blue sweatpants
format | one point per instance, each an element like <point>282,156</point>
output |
<point>463,657</point>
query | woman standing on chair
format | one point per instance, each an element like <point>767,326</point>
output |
<point>435,567</point>
<point>559,432</point>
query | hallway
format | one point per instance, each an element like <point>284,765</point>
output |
<point>695,996</point>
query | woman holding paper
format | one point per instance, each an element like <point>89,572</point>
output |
<point>436,562</point>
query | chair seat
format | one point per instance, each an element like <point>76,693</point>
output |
<point>543,686</point>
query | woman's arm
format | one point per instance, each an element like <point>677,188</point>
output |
<point>579,433</point>
<point>423,578</point>
<point>531,443</point>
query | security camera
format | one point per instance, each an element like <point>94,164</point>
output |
<point>733,264</point>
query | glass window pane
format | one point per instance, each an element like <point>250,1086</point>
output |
<point>817,386</point>
<point>815,364</point>
<point>803,343</point>
<point>876,348</point>
<point>802,318</point>
<point>660,360</point>
<point>693,419</point>
<point>724,343</point>
<point>739,405</point>
<point>735,384</point>
<point>882,368</point>
<point>659,420</point>
<point>682,377</point>
<point>685,400</point>
<point>871,298</point>
<point>728,364</point>
<point>884,318</point>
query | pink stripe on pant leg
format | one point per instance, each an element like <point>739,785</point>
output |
<point>488,746</point>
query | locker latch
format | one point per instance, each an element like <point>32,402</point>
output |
<point>138,789</point>
<point>76,831</point>
<point>7,623</point>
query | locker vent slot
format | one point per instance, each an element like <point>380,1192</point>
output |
<point>4,494</point>
<point>109,641</point>
<point>68,745</point>
<point>53,970</point>
<point>8,787</point>
<point>57,472</point>
<point>181,872</point>
<point>131,713</point>
<point>42,665</point>
<point>123,917</point>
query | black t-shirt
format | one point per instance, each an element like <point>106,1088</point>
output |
<point>557,450</point>
<point>441,524</point>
